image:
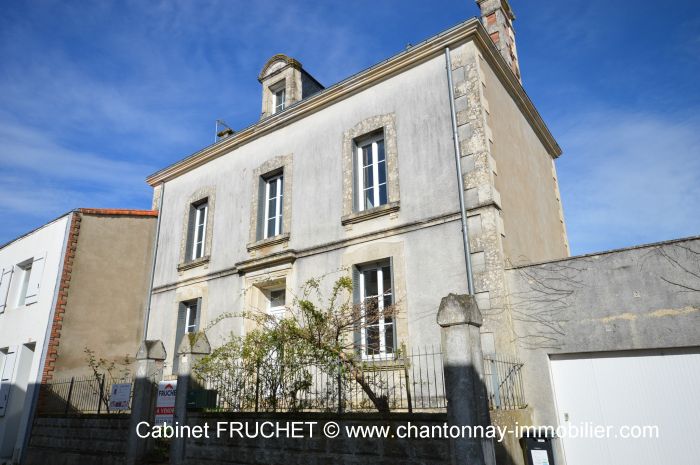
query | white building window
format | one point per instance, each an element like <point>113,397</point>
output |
<point>377,334</point>
<point>278,97</point>
<point>371,173</point>
<point>277,299</point>
<point>198,228</point>
<point>274,187</point>
<point>188,317</point>
<point>191,317</point>
<point>26,271</point>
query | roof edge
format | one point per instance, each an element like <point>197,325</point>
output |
<point>608,252</point>
<point>429,48</point>
<point>32,231</point>
<point>117,212</point>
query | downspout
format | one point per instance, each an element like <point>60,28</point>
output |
<point>460,181</point>
<point>153,264</point>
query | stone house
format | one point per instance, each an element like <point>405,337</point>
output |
<point>78,281</point>
<point>360,176</point>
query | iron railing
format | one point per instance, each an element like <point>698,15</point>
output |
<point>504,382</point>
<point>407,382</point>
<point>78,395</point>
<point>410,381</point>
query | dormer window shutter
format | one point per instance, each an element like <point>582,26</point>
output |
<point>179,333</point>
<point>6,372</point>
<point>197,315</point>
<point>260,220</point>
<point>5,279</point>
<point>32,295</point>
<point>357,302</point>
<point>189,246</point>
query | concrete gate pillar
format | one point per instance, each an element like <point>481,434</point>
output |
<point>467,403</point>
<point>192,348</point>
<point>149,371</point>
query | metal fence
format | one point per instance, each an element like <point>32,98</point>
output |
<point>408,382</point>
<point>77,395</point>
<point>504,382</point>
<point>411,381</point>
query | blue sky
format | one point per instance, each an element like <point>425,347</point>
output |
<point>94,96</point>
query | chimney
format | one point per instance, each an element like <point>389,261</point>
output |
<point>498,17</point>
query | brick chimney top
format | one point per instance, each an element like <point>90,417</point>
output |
<point>497,17</point>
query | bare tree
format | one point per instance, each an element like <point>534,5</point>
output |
<point>685,259</point>
<point>549,290</point>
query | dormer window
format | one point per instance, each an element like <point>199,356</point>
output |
<point>284,82</point>
<point>278,97</point>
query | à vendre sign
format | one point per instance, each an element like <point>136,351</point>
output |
<point>165,402</point>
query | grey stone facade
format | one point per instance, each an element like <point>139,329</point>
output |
<point>418,229</point>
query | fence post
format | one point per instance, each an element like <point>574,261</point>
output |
<point>407,380</point>
<point>191,350</point>
<point>460,319</point>
<point>495,383</point>
<point>100,398</point>
<point>70,393</point>
<point>149,370</point>
<point>339,367</point>
<point>257,386</point>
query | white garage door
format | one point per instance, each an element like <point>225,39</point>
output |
<point>626,389</point>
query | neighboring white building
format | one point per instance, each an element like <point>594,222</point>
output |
<point>60,287</point>
<point>30,267</point>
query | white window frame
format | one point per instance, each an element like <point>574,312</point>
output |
<point>361,144</point>
<point>278,103</point>
<point>278,310</point>
<point>189,306</point>
<point>277,214</point>
<point>381,292</point>
<point>26,269</point>
<point>200,219</point>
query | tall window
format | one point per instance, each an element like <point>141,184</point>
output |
<point>278,96</point>
<point>26,270</point>
<point>377,334</point>
<point>198,229</point>
<point>274,187</point>
<point>371,173</point>
<point>276,303</point>
<point>191,316</point>
<point>187,323</point>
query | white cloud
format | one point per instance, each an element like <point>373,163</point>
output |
<point>629,178</point>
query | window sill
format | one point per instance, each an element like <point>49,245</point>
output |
<point>262,243</point>
<point>193,264</point>
<point>386,362</point>
<point>381,210</point>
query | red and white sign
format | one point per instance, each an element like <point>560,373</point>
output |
<point>165,402</point>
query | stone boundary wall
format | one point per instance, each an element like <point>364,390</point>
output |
<point>319,449</point>
<point>84,439</point>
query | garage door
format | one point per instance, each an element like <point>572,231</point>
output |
<point>628,389</point>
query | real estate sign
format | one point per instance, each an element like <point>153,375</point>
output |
<point>119,396</point>
<point>165,402</point>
